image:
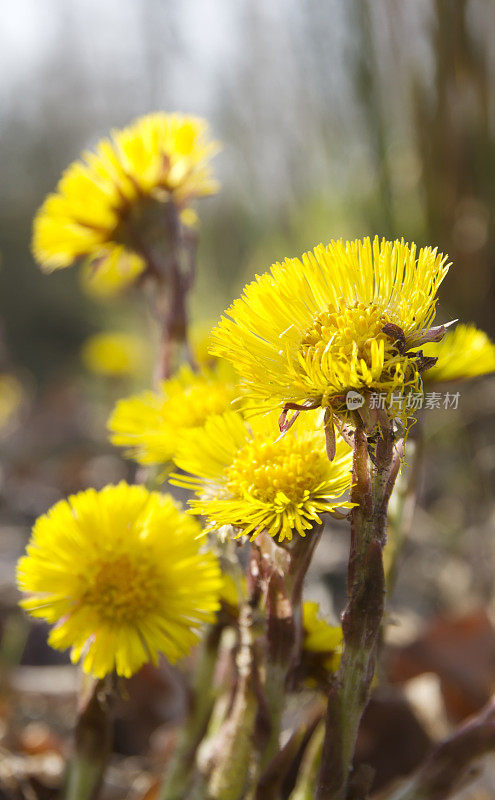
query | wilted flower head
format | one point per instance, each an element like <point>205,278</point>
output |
<point>243,478</point>
<point>110,201</point>
<point>346,317</point>
<point>463,353</point>
<point>121,576</point>
<point>151,424</point>
<point>112,353</point>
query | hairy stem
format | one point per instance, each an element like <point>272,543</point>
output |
<point>180,771</point>
<point>92,745</point>
<point>284,628</point>
<point>170,264</point>
<point>361,621</point>
<point>233,751</point>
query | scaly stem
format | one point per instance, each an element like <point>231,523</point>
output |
<point>180,277</point>
<point>180,771</point>
<point>92,746</point>
<point>170,263</point>
<point>233,751</point>
<point>361,621</point>
<point>284,626</point>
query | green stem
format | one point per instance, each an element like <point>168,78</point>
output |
<point>271,782</point>
<point>180,771</point>
<point>92,746</point>
<point>306,779</point>
<point>361,621</point>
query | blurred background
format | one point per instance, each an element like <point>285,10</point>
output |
<point>336,119</point>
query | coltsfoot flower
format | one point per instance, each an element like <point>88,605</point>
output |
<point>111,200</point>
<point>321,640</point>
<point>112,353</point>
<point>464,353</point>
<point>243,478</point>
<point>151,424</point>
<point>121,576</point>
<point>11,398</point>
<point>346,317</point>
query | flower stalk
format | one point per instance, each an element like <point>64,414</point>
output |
<point>92,743</point>
<point>232,760</point>
<point>372,486</point>
<point>284,627</point>
<point>179,774</point>
<point>170,262</point>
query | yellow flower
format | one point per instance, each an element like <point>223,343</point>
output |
<point>199,336</point>
<point>120,574</point>
<point>342,318</point>
<point>464,353</point>
<point>113,274</point>
<point>106,277</point>
<point>112,353</point>
<point>320,637</point>
<point>151,424</point>
<point>243,478</point>
<point>109,201</point>
<point>11,396</point>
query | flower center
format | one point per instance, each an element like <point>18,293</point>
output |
<point>348,331</point>
<point>293,467</point>
<point>123,590</point>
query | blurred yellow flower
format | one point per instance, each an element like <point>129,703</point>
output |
<point>112,275</point>
<point>320,637</point>
<point>199,337</point>
<point>107,277</point>
<point>112,353</point>
<point>121,576</point>
<point>463,353</point>
<point>342,318</point>
<point>111,200</point>
<point>243,478</point>
<point>11,396</point>
<point>151,424</point>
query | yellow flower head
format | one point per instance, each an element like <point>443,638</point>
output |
<point>120,574</point>
<point>463,353</point>
<point>113,274</point>
<point>342,318</point>
<point>320,637</point>
<point>199,336</point>
<point>242,477</point>
<point>11,397</point>
<point>111,199</point>
<point>112,353</point>
<point>151,424</point>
